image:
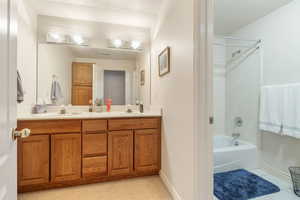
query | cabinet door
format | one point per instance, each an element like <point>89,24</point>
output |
<point>146,150</point>
<point>81,95</point>
<point>65,157</point>
<point>82,74</point>
<point>120,152</point>
<point>33,160</point>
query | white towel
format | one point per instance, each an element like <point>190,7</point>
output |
<point>271,109</point>
<point>56,93</point>
<point>291,111</point>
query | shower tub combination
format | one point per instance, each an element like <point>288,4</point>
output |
<point>229,157</point>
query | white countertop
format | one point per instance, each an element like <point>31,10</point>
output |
<point>86,115</point>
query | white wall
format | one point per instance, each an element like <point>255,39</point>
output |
<point>174,93</point>
<point>280,32</point>
<point>27,22</point>
<point>219,86</point>
<point>54,60</point>
<point>143,63</point>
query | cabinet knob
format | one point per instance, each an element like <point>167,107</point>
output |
<point>24,133</point>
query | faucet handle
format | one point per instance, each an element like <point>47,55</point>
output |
<point>236,135</point>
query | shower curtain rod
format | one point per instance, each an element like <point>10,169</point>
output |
<point>246,54</point>
<point>220,44</point>
<point>240,39</point>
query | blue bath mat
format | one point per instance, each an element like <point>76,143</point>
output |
<point>241,185</point>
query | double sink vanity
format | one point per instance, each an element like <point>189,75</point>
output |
<point>82,148</point>
<point>69,145</point>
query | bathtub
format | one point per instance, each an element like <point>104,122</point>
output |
<point>228,157</point>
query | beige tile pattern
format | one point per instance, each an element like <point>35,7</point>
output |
<point>145,188</point>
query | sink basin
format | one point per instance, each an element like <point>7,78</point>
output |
<point>45,114</point>
<point>55,114</point>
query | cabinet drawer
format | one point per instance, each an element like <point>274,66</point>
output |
<point>94,126</point>
<point>135,123</point>
<point>94,144</point>
<point>51,126</point>
<point>94,166</point>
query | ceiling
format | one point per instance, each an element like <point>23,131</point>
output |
<point>139,13</point>
<point>230,15</point>
<point>145,6</point>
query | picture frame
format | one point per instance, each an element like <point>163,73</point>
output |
<point>164,62</point>
<point>142,77</point>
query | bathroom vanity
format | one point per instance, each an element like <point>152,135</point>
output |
<point>72,150</point>
<point>69,147</point>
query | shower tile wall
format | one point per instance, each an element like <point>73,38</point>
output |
<point>219,87</point>
<point>242,94</point>
<point>236,92</point>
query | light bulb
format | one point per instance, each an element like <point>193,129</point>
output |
<point>135,44</point>
<point>117,43</point>
<point>77,39</point>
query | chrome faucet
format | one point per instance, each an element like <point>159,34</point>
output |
<point>235,137</point>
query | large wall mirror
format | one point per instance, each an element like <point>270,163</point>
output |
<point>85,74</point>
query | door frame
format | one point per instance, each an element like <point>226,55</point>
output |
<point>203,98</point>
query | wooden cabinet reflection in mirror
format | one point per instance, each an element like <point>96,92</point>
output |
<point>82,83</point>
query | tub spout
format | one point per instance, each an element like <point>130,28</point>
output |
<point>235,137</point>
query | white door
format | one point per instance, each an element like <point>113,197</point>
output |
<point>8,60</point>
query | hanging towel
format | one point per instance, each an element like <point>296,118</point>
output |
<point>20,91</point>
<point>271,109</point>
<point>56,93</point>
<point>291,111</point>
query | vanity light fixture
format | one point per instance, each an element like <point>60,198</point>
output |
<point>135,44</point>
<point>117,43</point>
<point>58,38</point>
<point>78,39</point>
<point>125,44</point>
<point>53,37</point>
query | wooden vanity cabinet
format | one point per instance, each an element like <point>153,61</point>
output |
<point>94,148</point>
<point>120,152</point>
<point>72,152</point>
<point>33,160</point>
<point>94,144</point>
<point>65,157</point>
<point>146,150</point>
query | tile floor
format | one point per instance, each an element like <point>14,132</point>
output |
<point>286,192</point>
<point>146,188</point>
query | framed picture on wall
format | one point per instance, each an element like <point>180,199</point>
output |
<point>164,62</point>
<point>142,77</point>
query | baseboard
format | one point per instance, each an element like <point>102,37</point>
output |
<point>169,186</point>
<point>275,172</point>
